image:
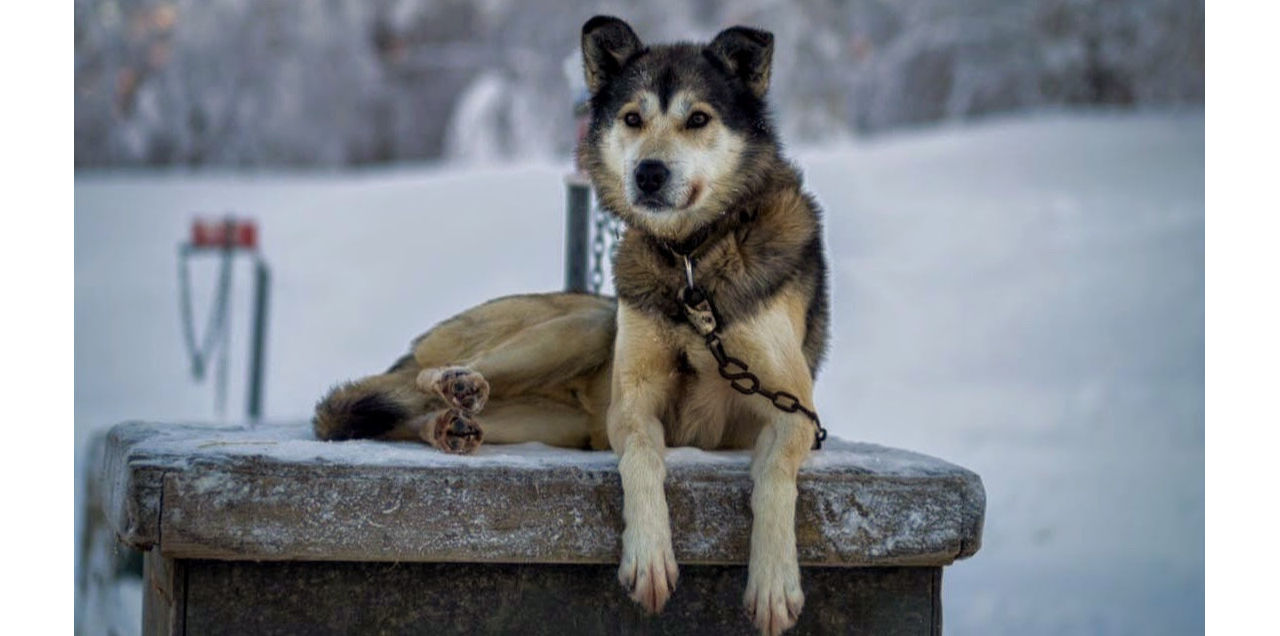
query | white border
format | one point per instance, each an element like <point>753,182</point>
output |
<point>36,68</point>
<point>1242,356</point>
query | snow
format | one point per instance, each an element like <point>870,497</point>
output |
<point>866,504</point>
<point>172,445</point>
<point>1022,297</point>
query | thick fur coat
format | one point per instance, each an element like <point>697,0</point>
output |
<point>681,148</point>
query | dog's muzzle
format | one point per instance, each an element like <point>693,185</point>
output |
<point>650,177</point>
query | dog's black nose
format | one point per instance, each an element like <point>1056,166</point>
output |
<point>651,175</point>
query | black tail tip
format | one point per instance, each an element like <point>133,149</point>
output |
<point>346,414</point>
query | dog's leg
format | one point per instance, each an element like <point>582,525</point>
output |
<point>773,346</point>
<point>461,387</point>
<point>447,429</point>
<point>503,422</point>
<point>534,356</point>
<point>536,420</point>
<point>774,598</point>
<point>641,380</point>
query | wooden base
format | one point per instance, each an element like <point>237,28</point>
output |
<point>291,597</point>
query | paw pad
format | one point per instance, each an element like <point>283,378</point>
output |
<point>461,388</point>
<point>454,431</point>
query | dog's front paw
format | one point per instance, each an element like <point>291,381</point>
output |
<point>774,598</point>
<point>648,570</point>
<point>453,431</point>
<point>461,388</point>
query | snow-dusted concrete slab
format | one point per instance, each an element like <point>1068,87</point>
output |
<point>275,493</point>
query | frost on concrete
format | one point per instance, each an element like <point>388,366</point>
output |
<point>177,445</point>
<point>275,492</point>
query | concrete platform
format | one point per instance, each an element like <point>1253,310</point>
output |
<point>405,538</point>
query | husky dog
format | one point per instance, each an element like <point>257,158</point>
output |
<point>682,149</point>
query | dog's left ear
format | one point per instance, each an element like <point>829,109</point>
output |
<point>607,42</point>
<point>748,55</point>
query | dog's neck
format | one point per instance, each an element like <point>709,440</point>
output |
<point>706,236</point>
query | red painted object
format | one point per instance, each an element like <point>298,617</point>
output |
<point>234,233</point>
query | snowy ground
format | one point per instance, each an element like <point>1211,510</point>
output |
<point>1023,297</point>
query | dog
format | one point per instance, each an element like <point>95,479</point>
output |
<point>681,148</point>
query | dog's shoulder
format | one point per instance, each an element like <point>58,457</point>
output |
<point>781,222</point>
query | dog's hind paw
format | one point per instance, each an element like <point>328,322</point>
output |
<point>774,598</point>
<point>453,431</point>
<point>461,388</point>
<point>648,571</point>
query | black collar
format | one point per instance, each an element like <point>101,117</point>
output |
<point>706,236</point>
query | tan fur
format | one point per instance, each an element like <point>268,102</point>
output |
<point>559,374</point>
<point>703,161</point>
<point>653,406</point>
<point>545,353</point>
<point>578,370</point>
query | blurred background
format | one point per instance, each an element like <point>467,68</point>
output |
<point>252,82</point>
<point>1014,200</point>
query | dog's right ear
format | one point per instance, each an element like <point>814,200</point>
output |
<point>607,42</point>
<point>746,53</point>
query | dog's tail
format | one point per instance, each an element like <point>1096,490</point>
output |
<point>376,406</point>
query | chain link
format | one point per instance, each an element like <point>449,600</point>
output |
<point>745,382</point>
<point>701,314</point>
<point>597,249</point>
<point>607,230</point>
<point>616,227</point>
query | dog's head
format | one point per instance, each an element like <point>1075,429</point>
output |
<point>678,132</point>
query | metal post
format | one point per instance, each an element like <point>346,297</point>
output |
<point>577,231</point>
<point>228,272</point>
<point>262,286</point>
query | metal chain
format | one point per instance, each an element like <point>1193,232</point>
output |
<point>735,370</point>
<point>701,314</point>
<point>617,227</point>
<point>215,326</point>
<point>597,250</point>
<point>608,230</point>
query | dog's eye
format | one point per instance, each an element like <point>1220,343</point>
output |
<point>632,120</point>
<point>697,120</point>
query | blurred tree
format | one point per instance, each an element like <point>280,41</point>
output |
<point>340,82</point>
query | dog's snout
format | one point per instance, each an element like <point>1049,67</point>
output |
<point>651,175</point>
